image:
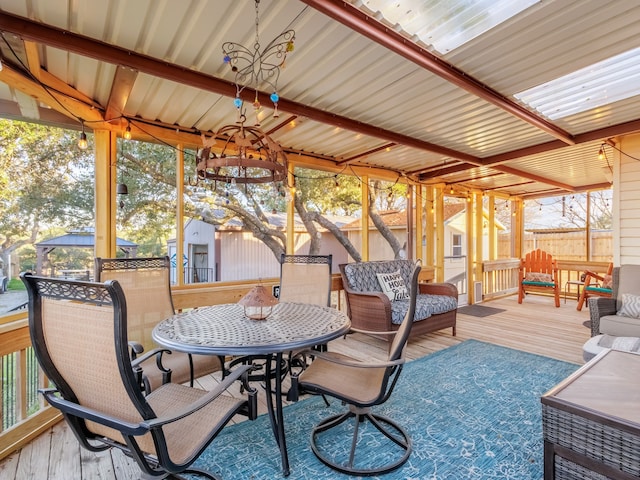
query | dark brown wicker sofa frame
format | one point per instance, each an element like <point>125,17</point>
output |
<point>371,310</point>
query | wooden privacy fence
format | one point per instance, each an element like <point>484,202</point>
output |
<point>563,245</point>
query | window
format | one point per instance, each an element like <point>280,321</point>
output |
<point>456,245</point>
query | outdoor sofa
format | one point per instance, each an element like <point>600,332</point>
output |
<point>372,310</point>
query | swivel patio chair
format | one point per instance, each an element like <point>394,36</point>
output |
<point>596,285</point>
<point>79,335</point>
<point>146,284</point>
<point>362,385</point>
<point>539,274</point>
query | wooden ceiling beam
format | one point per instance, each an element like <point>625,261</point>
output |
<point>121,88</point>
<point>60,102</point>
<point>33,58</point>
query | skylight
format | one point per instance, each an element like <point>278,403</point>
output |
<point>447,25</point>
<point>602,83</point>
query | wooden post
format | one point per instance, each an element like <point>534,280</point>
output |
<point>180,214</point>
<point>587,230</point>
<point>479,247</point>
<point>420,215</point>
<point>411,231</point>
<point>105,145</point>
<point>470,221</point>
<point>429,226</point>
<point>364,193</point>
<point>291,210</point>
<point>439,263</point>
<point>493,234</point>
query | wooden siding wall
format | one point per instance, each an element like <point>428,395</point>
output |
<point>627,199</point>
<point>247,258</point>
<point>563,246</point>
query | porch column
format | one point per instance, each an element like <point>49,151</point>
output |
<point>587,229</point>
<point>291,210</point>
<point>411,230</point>
<point>439,263</point>
<point>179,214</point>
<point>517,226</point>
<point>420,213</point>
<point>470,230</point>
<point>364,193</point>
<point>493,234</point>
<point>479,247</point>
<point>429,231</point>
<point>105,193</point>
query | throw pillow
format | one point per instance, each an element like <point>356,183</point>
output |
<point>538,277</point>
<point>393,285</point>
<point>630,306</point>
<point>607,282</point>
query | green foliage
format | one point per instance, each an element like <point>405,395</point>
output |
<point>16,284</point>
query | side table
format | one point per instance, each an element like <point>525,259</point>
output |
<point>591,421</point>
<point>567,287</point>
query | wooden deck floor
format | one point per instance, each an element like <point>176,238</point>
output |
<point>536,326</point>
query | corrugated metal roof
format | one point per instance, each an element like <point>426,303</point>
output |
<point>352,95</point>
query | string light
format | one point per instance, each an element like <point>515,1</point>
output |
<point>601,153</point>
<point>127,131</point>
<point>82,141</point>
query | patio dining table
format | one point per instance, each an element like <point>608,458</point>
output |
<point>226,330</point>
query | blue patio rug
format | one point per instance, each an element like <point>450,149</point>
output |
<point>472,411</point>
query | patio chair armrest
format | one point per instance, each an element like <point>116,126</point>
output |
<point>600,307</point>
<point>156,351</point>
<point>136,348</point>
<point>350,362</point>
<point>204,400</point>
<point>369,310</point>
<point>371,332</point>
<point>81,411</point>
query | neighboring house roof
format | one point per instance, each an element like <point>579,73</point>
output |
<point>398,218</point>
<point>80,238</point>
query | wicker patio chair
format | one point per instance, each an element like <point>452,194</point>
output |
<point>609,315</point>
<point>596,285</point>
<point>362,385</point>
<point>146,284</point>
<point>79,335</point>
<point>538,273</point>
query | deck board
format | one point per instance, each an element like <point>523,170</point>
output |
<point>535,326</point>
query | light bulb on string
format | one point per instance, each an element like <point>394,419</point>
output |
<point>127,132</point>
<point>82,141</point>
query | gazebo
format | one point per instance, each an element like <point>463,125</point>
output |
<point>82,238</point>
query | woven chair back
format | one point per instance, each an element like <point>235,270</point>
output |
<point>306,279</point>
<point>146,285</point>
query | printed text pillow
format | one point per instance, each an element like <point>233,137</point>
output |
<point>393,285</point>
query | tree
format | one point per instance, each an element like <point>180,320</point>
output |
<point>46,181</point>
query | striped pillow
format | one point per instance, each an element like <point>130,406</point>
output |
<point>630,306</point>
